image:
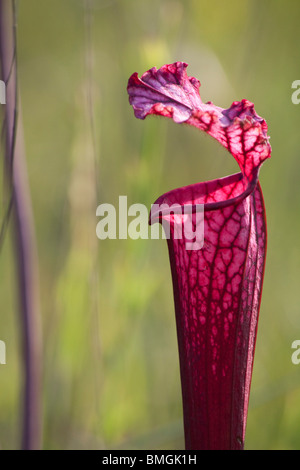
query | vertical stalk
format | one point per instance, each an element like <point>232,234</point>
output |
<point>23,230</point>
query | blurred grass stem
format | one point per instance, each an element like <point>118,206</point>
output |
<point>23,230</point>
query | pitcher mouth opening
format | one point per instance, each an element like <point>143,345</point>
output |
<point>213,195</point>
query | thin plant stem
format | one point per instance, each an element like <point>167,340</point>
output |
<point>23,230</point>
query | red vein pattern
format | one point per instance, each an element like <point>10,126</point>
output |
<point>217,289</point>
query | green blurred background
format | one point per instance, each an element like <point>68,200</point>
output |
<point>110,362</point>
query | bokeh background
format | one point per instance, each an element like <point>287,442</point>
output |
<point>110,362</point>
